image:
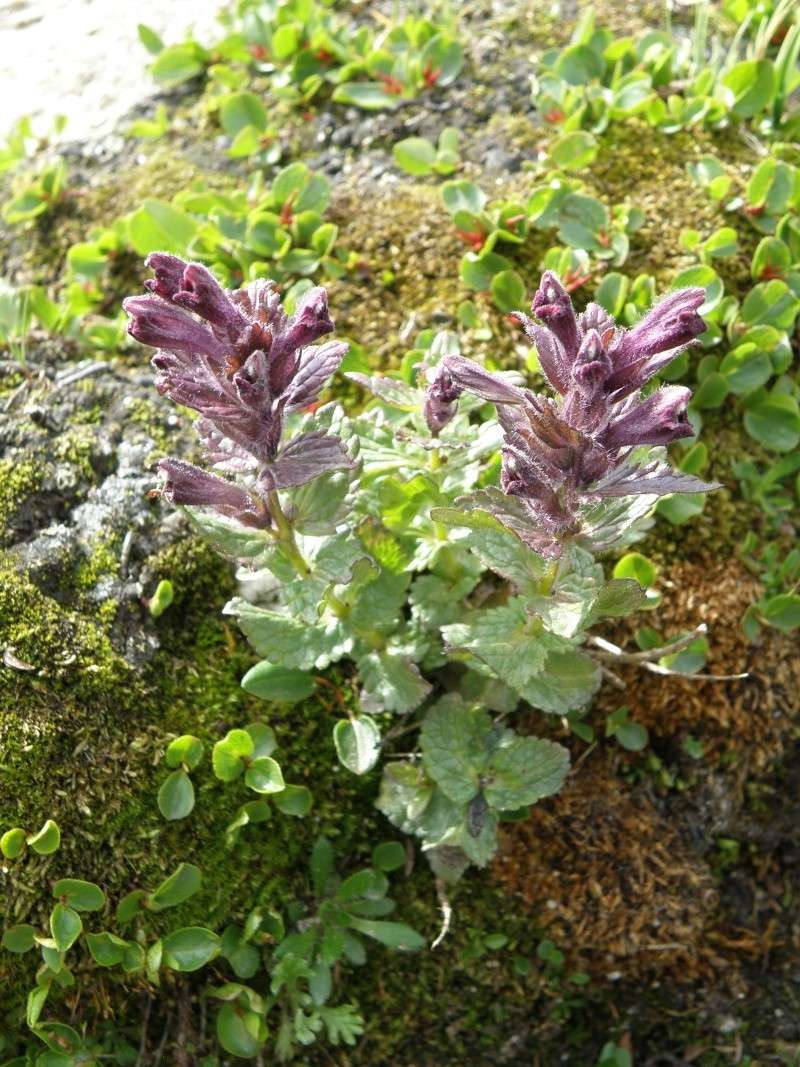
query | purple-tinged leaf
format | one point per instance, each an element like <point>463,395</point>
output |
<point>654,479</point>
<point>317,363</point>
<point>392,391</point>
<point>305,458</point>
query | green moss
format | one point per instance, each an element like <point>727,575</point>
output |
<point>18,481</point>
<point>103,560</point>
<point>145,414</point>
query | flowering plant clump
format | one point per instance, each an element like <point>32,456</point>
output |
<point>457,585</point>
<point>563,457</point>
<point>244,367</point>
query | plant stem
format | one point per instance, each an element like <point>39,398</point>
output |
<point>285,535</point>
<point>547,580</point>
<point>339,608</point>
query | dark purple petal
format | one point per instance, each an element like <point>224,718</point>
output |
<point>592,365</point>
<point>473,378</point>
<point>658,420</point>
<point>672,323</point>
<point>168,274</point>
<point>201,293</point>
<point>441,399</point>
<point>623,383</point>
<point>156,323</point>
<point>586,406</point>
<point>553,306</point>
<point>305,458</point>
<point>315,366</point>
<point>552,357</point>
<point>311,320</point>
<point>597,318</point>
<point>186,484</point>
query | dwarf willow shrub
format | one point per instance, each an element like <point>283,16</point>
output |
<point>457,582</point>
<point>283,967</point>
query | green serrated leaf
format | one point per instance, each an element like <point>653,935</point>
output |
<point>455,745</point>
<point>391,683</point>
<point>523,770</point>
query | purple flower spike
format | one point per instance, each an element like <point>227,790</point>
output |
<point>560,457</point>
<point>673,323</point>
<point>242,368</point>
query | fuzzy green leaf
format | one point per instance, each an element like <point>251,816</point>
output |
<point>523,771</point>
<point>567,681</point>
<point>505,639</point>
<point>391,683</point>
<point>289,641</point>
<point>455,744</point>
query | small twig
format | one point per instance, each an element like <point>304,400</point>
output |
<point>399,731</point>
<point>73,376</point>
<point>447,913</point>
<point>12,396</point>
<point>615,652</point>
<point>614,679</point>
<point>163,1042</point>
<point>656,668</point>
<point>609,651</point>
<point>582,757</point>
<point>143,1041</point>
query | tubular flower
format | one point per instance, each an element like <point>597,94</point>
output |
<point>562,456</point>
<point>243,364</point>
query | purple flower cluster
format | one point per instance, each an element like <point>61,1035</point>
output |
<point>561,455</point>
<point>243,364</point>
